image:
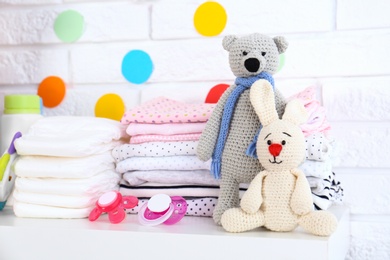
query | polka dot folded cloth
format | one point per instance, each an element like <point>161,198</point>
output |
<point>163,110</point>
<point>203,207</point>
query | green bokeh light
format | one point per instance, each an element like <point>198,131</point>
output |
<point>282,60</point>
<point>69,26</point>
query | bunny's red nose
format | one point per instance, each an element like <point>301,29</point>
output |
<point>275,149</point>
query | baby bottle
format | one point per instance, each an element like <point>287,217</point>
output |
<point>20,112</point>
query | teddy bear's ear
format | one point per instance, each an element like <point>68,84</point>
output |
<point>228,41</point>
<point>262,98</point>
<point>295,112</point>
<point>281,43</point>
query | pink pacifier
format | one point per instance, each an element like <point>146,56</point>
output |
<point>162,208</point>
<point>115,205</point>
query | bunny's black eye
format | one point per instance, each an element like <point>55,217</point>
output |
<point>269,142</point>
<point>283,142</point>
<point>263,53</point>
<point>244,53</point>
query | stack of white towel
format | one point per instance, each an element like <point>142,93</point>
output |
<point>64,165</point>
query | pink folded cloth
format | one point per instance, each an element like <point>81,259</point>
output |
<point>317,121</point>
<point>163,110</point>
<point>165,129</point>
<point>164,138</point>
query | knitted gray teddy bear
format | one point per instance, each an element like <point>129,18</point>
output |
<point>230,134</point>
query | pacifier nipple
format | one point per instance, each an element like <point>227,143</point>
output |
<point>107,198</point>
<point>159,203</point>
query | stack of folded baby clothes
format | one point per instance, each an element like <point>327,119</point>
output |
<point>64,165</point>
<point>318,166</point>
<point>161,155</point>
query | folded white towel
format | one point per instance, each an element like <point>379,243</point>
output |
<point>317,169</point>
<point>318,184</point>
<point>71,136</point>
<point>190,162</point>
<point>63,167</point>
<point>149,189</point>
<point>318,147</point>
<point>104,181</point>
<point>170,177</point>
<point>53,200</point>
<point>26,210</point>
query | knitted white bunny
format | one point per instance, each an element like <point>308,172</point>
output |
<point>278,198</point>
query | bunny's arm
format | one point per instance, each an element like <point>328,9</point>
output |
<point>252,198</point>
<point>209,136</point>
<point>301,199</point>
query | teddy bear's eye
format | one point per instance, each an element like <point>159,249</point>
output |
<point>269,142</point>
<point>263,53</point>
<point>244,53</point>
<point>283,142</point>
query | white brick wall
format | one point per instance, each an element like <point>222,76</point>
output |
<point>105,21</point>
<point>339,53</point>
<point>355,99</point>
<point>361,14</point>
<point>22,66</point>
<point>174,61</point>
<point>269,16</point>
<point>340,46</point>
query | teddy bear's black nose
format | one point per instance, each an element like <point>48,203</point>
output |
<point>252,64</point>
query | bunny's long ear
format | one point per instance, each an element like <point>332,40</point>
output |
<point>295,112</point>
<point>262,98</point>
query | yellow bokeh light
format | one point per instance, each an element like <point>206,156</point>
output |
<point>210,19</point>
<point>110,106</point>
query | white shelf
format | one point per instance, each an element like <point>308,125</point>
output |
<point>191,238</point>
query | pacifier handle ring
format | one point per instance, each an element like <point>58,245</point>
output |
<point>95,214</point>
<point>178,213</point>
<point>129,202</point>
<point>147,222</point>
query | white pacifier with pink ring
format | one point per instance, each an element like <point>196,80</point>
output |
<point>162,208</point>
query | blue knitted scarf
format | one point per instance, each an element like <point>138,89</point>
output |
<point>242,85</point>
